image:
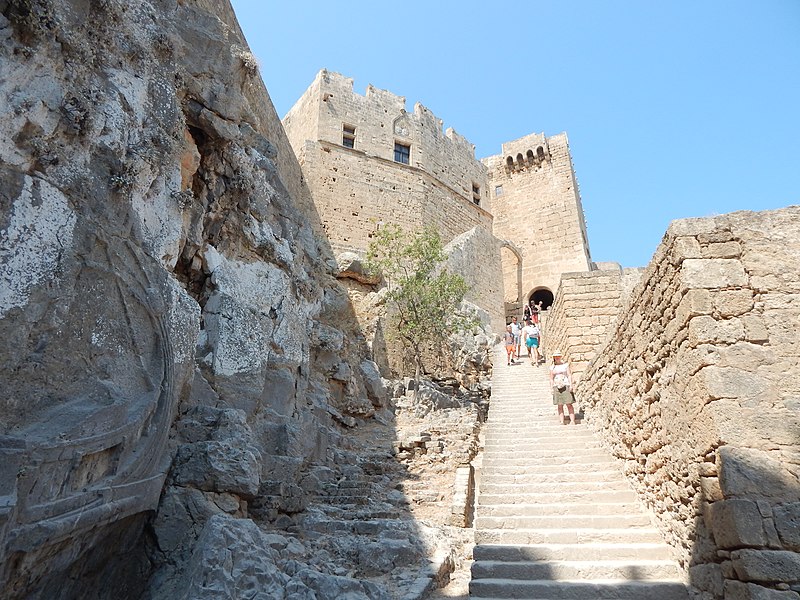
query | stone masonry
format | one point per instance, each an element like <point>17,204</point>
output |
<point>359,188</point>
<point>696,391</point>
<point>586,308</point>
<point>537,207</point>
<point>345,143</point>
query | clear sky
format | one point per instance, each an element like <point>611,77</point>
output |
<point>679,108</point>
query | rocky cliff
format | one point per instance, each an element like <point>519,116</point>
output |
<point>181,369</point>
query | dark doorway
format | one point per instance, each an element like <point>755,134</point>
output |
<point>545,296</point>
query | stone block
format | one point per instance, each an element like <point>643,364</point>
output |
<point>755,329</point>
<point>376,390</point>
<point>744,472</point>
<point>707,577</point>
<point>713,273</point>
<point>739,590</point>
<point>722,250</point>
<point>711,489</point>
<point>735,523</point>
<point>732,303</point>
<point>685,247</point>
<point>218,466</point>
<point>692,227</point>
<point>746,355</point>
<point>730,382</point>
<point>707,330</point>
<point>787,522</point>
<point>766,566</point>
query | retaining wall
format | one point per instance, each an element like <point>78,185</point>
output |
<point>698,391</point>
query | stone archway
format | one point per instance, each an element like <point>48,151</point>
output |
<point>543,295</point>
<point>511,260</point>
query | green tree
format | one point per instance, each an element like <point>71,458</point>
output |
<point>424,297</point>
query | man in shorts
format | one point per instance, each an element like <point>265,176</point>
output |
<point>508,338</point>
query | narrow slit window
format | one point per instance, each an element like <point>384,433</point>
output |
<point>402,153</point>
<point>348,136</point>
<point>476,193</point>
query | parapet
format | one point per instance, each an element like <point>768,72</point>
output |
<point>376,123</point>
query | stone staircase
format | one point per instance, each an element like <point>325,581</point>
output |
<point>555,517</point>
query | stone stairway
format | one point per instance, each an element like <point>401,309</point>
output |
<point>555,517</point>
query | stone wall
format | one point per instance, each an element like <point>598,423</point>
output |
<point>379,119</point>
<point>585,310</point>
<point>697,393</point>
<point>537,207</point>
<point>356,193</point>
<point>357,190</point>
<point>476,254</point>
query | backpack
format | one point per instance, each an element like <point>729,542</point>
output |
<point>560,381</point>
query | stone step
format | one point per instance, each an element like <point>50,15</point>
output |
<point>484,589</point>
<point>533,442</point>
<point>549,467</point>
<point>581,497</point>
<point>639,570</point>
<point>639,535</point>
<point>567,452</point>
<point>502,487</point>
<point>577,520</point>
<point>556,430</point>
<point>529,510</point>
<point>592,551</point>
<point>521,458</point>
<point>546,424</point>
<point>555,478</point>
<point>563,433</point>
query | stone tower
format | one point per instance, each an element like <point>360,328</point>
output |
<point>368,162</point>
<point>538,214</point>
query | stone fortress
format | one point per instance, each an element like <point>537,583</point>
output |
<point>367,162</point>
<point>190,406</point>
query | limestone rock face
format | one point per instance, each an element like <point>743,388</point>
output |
<point>158,261</point>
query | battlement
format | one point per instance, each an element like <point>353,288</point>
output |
<point>530,151</point>
<point>378,124</point>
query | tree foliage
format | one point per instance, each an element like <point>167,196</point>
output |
<point>423,295</point>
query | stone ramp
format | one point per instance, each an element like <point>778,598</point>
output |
<point>556,519</point>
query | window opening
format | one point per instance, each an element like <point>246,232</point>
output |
<point>476,193</point>
<point>402,153</point>
<point>348,136</point>
<point>498,190</point>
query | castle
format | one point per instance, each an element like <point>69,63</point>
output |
<point>367,161</point>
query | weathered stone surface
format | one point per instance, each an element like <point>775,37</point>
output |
<point>376,391</point>
<point>767,565</point>
<point>709,578</point>
<point>736,524</point>
<point>386,555</point>
<point>229,560</point>
<point>713,273</point>
<point>787,522</point>
<point>752,473</point>
<point>218,467</point>
<point>737,590</point>
<point>351,265</point>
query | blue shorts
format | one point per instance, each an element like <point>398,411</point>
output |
<point>532,342</point>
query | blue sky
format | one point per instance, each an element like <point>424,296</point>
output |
<point>673,109</point>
